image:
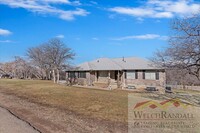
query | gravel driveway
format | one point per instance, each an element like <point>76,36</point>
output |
<point>11,124</point>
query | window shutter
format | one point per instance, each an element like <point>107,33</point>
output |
<point>143,75</point>
<point>157,75</point>
<point>136,74</point>
<point>97,75</point>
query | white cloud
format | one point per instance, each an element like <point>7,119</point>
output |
<point>140,20</point>
<point>132,11</point>
<point>4,32</point>
<point>48,7</point>
<point>180,7</point>
<point>77,38</point>
<point>69,15</point>
<point>160,9</point>
<point>57,1</point>
<point>157,21</point>
<point>6,41</point>
<point>141,37</point>
<point>60,36</point>
<point>94,2</point>
<point>95,38</point>
<point>164,38</point>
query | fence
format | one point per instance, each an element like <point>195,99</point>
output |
<point>186,87</point>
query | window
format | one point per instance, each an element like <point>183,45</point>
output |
<point>103,74</point>
<point>82,75</point>
<point>150,75</point>
<point>72,75</point>
<point>130,75</point>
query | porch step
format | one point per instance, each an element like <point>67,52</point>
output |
<point>102,85</point>
<point>113,85</point>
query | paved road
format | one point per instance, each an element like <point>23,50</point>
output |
<point>11,124</point>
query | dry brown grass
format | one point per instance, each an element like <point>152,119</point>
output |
<point>101,104</point>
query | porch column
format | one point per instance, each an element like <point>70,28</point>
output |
<point>118,84</point>
<point>109,79</point>
<point>89,73</point>
<point>95,76</point>
<point>109,74</point>
<point>123,80</point>
<point>66,76</point>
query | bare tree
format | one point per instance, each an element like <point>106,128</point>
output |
<point>183,51</point>
<point>1,69</point>
<point>22,69</point>
<point>19,68</point>
<point>180,77</point>
<point>51,57</point>
<point>58,54</point>
<point>39,59</point>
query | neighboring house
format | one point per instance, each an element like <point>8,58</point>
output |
<point>114,73</point>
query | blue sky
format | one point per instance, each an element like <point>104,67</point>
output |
<point>93,29</point>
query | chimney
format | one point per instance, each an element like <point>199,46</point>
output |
<point>123,59</point>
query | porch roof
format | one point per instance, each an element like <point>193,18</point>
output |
<point>130,63</point>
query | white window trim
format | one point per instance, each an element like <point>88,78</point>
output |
<point>130,75</point>
<point>150,76</point>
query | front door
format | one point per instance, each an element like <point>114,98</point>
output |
<point>116,73</point>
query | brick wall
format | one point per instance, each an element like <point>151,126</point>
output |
<point>143,83</point>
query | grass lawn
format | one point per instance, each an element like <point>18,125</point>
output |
<point>111,106</point>
<point>107,105</point>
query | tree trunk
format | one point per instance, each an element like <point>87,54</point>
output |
<point>54,76</point>
<point>58,75</point>
<point>49,75</point>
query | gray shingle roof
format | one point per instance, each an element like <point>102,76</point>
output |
<point>130,63</point>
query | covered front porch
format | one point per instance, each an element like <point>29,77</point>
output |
<point>107,78</point>
<point>110,79</point>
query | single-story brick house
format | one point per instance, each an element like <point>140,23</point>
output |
<point>131,72</point>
